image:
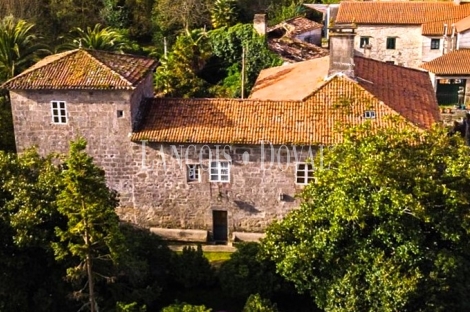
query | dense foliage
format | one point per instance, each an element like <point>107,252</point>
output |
<point>384,227</point>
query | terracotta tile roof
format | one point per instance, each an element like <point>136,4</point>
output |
<point>407,91</point>
<point>296,26</point>
<point>463,24</point>
<point>381,12</point>
<point>84,69</point>
<point>453,63</point>
<point>316,120</point>
<point>437,28</point>
<point>292,82</point>
<point>293,50</point>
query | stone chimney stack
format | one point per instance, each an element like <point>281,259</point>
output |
<point>259,23</point>
<point>342,49</point>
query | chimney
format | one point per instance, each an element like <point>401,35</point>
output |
<point>342,49</point>
<point>259,23</point>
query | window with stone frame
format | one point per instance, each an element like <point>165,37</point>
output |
<point>59,112</point>
<point>193,172</point>
<point>435,43</point>
<point>363,41</point>
<point>219,171</point>
<point>391,43</point>
<point>304,173</point>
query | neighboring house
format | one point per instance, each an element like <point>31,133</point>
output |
<point>300,28</point>
<point>406,33</point>
<point>295,50</point>
<point>449,74</point>
<point>329,12</point>
<point>220,166</point>
<point>285,39</point>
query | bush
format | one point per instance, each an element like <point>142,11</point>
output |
<point>143,273</point>
<point>191,269</point>
<point>245,274</point>
<point>184,307</point>
<point>257,304</point>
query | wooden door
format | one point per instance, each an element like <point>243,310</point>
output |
<point>220,225</point>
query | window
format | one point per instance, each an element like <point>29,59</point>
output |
<point>363,41</point>
<point>304,173</point>
<point>435,44</point>
<point>59,112</point>
<point>369,114</point>
<point>219,171</point>
<point>193,172</point>
<point>120,113</point>
<point>391,43</point>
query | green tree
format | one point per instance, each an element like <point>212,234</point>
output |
<point>181,14</point>
<point>191,269</point>
<point>384,227</point>
<point>184,307</point>
<point>255,303</point>
<point>68,14</point>
<point>245,274</point>
<point>228,44</point>
<point>278,13</point>
<point>224,13</point>
<point>92,233</point>
<point>98,38</point>
<point>30,278</point>
<point>19,47</point>
<point>178,74</point>
<point>7,135</point>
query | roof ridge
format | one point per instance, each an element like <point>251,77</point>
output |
<point>87,51</point>
<point>36,67</point>
<point>388,64</point>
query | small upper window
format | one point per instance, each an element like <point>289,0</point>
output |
<point>193,172</point>
<point>219,171</point>
<point>391,43</point>
<point>369,114</point>
<point>59,112</point>
<point>363,41</point>
<point>304,173</point>
<point>435,44</point>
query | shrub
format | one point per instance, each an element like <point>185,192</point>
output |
<point>191,269</point>
<point>257,304</point>
<point>184,307</point>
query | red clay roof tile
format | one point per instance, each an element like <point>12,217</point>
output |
<point>316,120</point>
<point>453,63</point>
<point>382,12</point>
<point>85,70</point>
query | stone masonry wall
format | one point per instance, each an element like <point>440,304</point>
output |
<point>163,197</point>
<point>102,117</point>
<point>408,50</point>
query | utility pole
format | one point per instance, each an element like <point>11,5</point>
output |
<point>243,72</point>
<point>164,46</point>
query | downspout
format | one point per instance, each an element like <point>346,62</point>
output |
<point>452,37</point>
<point>444,43</point>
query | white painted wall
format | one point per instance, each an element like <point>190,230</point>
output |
<point>428,54</point>
<point>464,40</point>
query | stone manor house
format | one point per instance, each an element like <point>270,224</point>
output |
<point>215,167</point>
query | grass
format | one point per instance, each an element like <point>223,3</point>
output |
<point>217,256</point>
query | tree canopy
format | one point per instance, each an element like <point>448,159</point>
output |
<point>384,227</point>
